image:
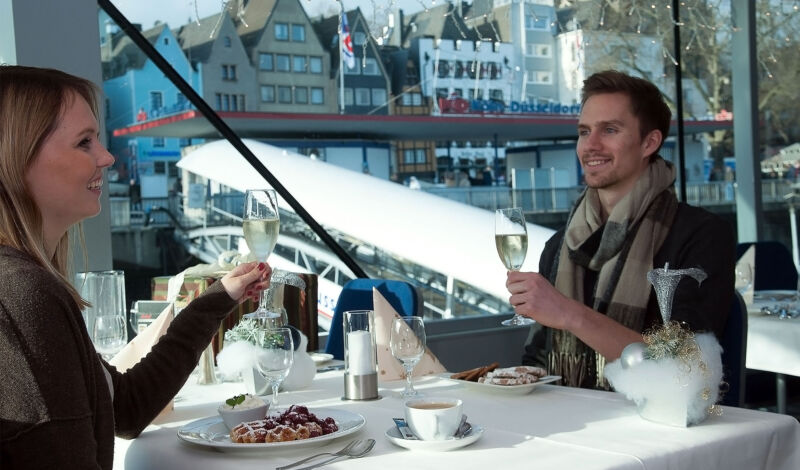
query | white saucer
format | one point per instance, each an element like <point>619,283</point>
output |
<point>433,446</point>
<point>321,358</point>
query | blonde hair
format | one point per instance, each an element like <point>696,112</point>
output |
<point>32,101</point>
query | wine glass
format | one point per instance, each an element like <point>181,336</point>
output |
<point>511,239</point>
<point>109,335</point>
<point>260,226</point>
<point>744,277</point>
<point>274,353</point>
<point>407,342</point>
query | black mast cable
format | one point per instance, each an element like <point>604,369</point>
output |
<point>227,132</point>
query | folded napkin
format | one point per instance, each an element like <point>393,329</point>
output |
<point>745,279</point>
<point>390,368</point>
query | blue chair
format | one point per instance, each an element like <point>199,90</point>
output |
<point>734,352</point>
<point>357,295</point>
<point>775,268</point>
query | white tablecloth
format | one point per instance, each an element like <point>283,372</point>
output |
<point>553,427</point>
<point>772,344</point>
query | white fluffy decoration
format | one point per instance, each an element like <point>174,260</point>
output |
<point>665,392</point>
<point>235,358</point>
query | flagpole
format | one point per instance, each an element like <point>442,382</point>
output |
<point>341,61</point>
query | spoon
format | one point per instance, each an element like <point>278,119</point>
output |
<point>460,430</point>
<point>361,449</point>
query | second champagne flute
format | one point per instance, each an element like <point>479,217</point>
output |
<point>407,342</point>
<point>274,356</point>
<point>261,226</point>
<point>511,240</point>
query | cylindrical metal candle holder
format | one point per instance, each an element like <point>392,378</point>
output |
<point>360,356</point>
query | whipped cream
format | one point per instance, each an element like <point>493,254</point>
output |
<point>250,402</point>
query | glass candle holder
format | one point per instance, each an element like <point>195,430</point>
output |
<point>360,355</point>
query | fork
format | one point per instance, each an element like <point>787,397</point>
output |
<point>359,450</point>
<point>340,453</point>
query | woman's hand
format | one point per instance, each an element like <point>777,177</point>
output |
<point>247,281</point>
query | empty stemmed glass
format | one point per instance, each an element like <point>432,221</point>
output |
<point>261,225</point>
<point>407,342</point>
<point>744,277</point>
<point>109,335</point>
<point>274,353</point>
<point>511,240</point>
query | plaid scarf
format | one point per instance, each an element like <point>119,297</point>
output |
<point>622,250</point>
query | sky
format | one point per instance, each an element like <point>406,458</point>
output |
<point>177,12</point>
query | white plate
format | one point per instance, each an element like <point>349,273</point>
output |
<point>433,446</point>
<point>211,432</point>
<point>321,358</point>
<point>523,389</point>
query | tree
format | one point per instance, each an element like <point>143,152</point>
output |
<point>706,31</point>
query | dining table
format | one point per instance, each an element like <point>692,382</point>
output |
<point>773,343</point>
<point>544,426</point>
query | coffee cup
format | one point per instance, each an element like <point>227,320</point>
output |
<point>432,418</point>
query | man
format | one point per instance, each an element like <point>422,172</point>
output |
<point>591,297</point>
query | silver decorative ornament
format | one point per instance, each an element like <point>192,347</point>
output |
<point>665,281</point>
<point>633,355</point>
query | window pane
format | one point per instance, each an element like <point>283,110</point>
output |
<point>265,62</point>
<point>282,62</point>
<point>422,157</point>
<point>362,96</point>
<point>408,156</point>
<point>355,70</point>
<point>298,32</point>
<point>285,94</point>
<point>317,96</point>
<point>299,63</point>
<point>281,31</point>
<point>268,93</point>
<point>301,95</point>
<point>378,96</point>
<point>315,64</point>
<point>348,97</point>
<point>443,67</point>
<point>156,100</point>
<point>371,67</point>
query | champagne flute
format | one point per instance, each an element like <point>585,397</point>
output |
<point>407,342</point>
<point>260,226</point>
<point>109,335</point>
<point>274,354</point>
<point>511,240</point>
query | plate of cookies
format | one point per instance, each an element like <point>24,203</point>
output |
<point>291,428</point>
<point>518,380</point>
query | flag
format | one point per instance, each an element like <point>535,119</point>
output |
<point>347,44</point>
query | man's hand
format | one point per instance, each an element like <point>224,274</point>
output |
<point>247,281</point>
<point>534,297</point>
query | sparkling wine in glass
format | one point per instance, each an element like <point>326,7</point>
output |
<point>109,334</point>
<point>511,240</point>
<point>274,355</point>
<point>407,342</point>
<point>260,226</point>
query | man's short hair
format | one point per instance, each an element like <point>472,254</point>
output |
<point>647,101</point>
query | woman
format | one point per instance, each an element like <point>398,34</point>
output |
<point>61,404</point>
